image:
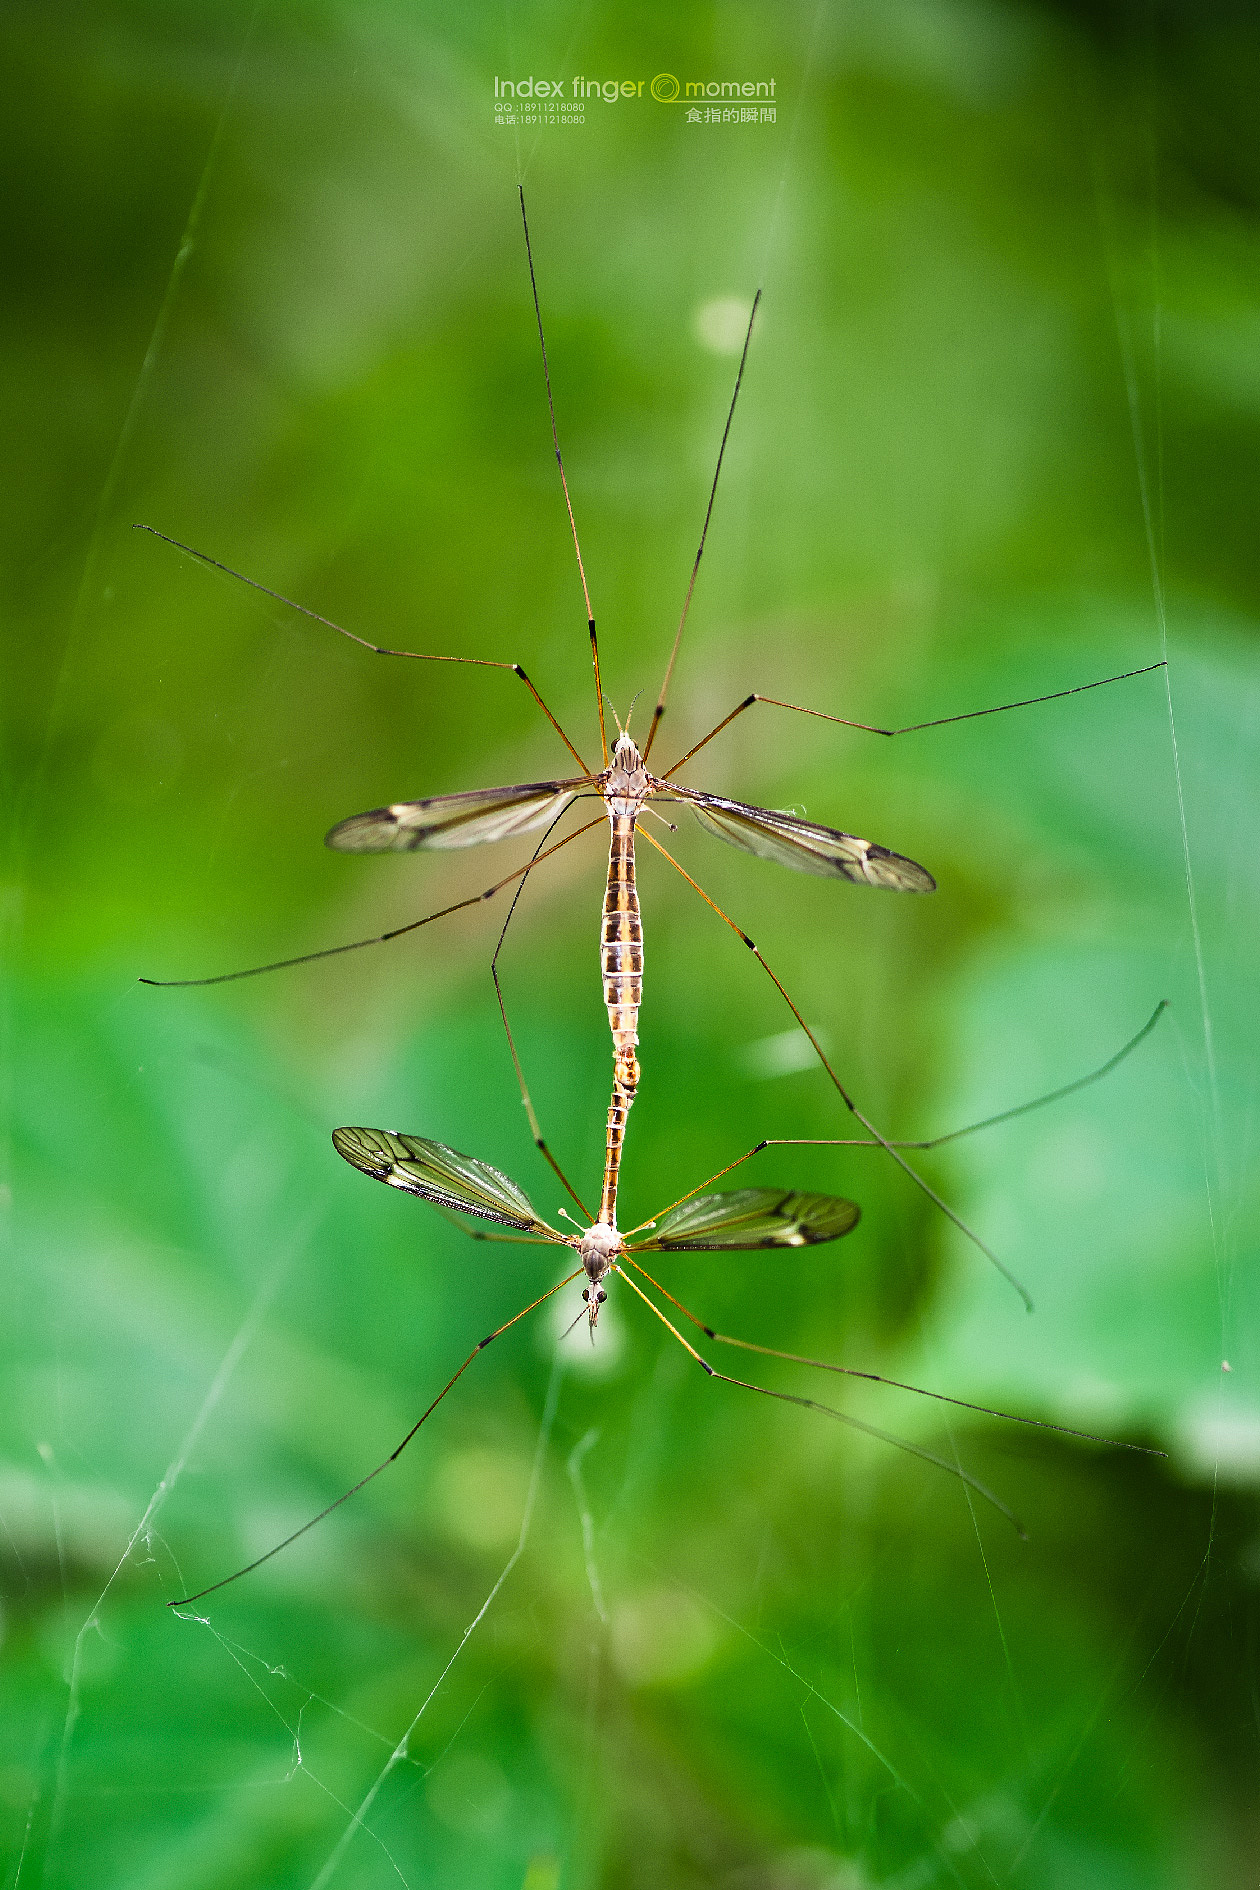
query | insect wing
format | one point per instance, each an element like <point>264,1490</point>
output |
<point>805,846</point>
<point>454,820</point>
<point>438,1174</point>
<point>748,1218</point>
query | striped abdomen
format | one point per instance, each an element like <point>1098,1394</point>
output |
<point>621,959</point>
<point>618,1110</point>
<point>621,953</point>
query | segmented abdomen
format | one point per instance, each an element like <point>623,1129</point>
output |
<point>621,951</point>
<point>621,959</point>
<point>618,1110</point>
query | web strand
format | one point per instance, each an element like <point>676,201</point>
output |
<point>131,420</point>
<point>218,1385</point>
<point>299,1763</point>
<point>400,1752</point>
<point>187,1601</point>
<point>1124,339</point>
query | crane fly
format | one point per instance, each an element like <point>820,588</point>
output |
<point>626,786</point>
<point>741,1220</point>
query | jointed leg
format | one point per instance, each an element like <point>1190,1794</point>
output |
<point>380,938</point>
<point>911,728</point>
<point>747,703</point>
<point>843,1093</point>
<point>539,1141</point>
<point>186,1600</point>
<point>936,1141</point>
<point>1005,1115</point>
<point>659,710</point>
<point>826,1410</point>
<point>555,440</point>
<point>478,1233</point>
<point>376,649</point>
<point>877,1378</point>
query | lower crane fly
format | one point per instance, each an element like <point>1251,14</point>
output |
<point>741,1220</point>
<point>626,786</point>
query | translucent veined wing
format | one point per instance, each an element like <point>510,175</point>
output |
<point>441,1175</point>
<point>803,845</point>
<point>454,820</point>
<point>749,1218</point>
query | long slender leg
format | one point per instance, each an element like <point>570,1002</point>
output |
<point>826,1410</point>
<point>507,1240</point>
<point>918,1180</point>
<point>1020,1109</point>
<point>911,728</point>
<point>936,1141</point>
<point>659,710</point>
<point>186,1601</point>
<point>376,649</point>
<point>877,1378</point>
<point>555,440</point>
<point>539,1141</point>
<point>380,938</point>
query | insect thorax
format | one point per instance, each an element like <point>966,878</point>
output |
<point>626,781</point>
<point>598,1248</point>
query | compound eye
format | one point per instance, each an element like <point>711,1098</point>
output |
<point>601,1295</point>
<point>586,1292</point>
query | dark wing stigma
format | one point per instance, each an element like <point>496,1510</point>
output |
<point>455,820</point>
<point>750,1218</point>
<point>805,846</point>
<point>441,1175</point>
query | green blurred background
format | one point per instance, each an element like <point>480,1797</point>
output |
<point>265,289</point>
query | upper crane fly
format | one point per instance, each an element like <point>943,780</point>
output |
<point>626,786</point>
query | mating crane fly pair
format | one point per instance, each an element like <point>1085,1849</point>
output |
<point>627,788</point>
<point>732,1221</point>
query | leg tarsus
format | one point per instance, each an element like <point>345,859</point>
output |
<point>378,938</point>
<point>555,440</point>
<point>186,1600</point>
<point>845,1097</point>
<point>813,1404</point>
<point>659,710</point>
<point>364,643</point>
<point>911,728</point>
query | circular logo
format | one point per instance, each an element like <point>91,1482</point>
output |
<point>664,88</point>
